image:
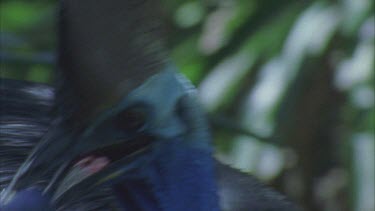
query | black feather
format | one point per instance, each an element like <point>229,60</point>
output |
<point>239,191</point>
<point>24,120</point>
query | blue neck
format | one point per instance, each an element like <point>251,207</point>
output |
<point>181,178</point>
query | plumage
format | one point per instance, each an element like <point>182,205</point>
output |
<point>27,107</point>
<point>119,101</point>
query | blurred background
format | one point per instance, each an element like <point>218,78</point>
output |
<point>288,85</point>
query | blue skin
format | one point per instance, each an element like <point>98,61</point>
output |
<point>177,173</point>
<point>163,181</point>
<point>30,200</point>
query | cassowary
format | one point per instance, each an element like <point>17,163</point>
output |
<point>122,131</point>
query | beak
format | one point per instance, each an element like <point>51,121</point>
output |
<point>56,159</point>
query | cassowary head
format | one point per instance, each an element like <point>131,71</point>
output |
<point>125,118</point>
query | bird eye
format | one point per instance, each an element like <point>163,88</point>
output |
<point>132,119</point>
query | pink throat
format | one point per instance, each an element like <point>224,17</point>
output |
<point>92,164</point>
